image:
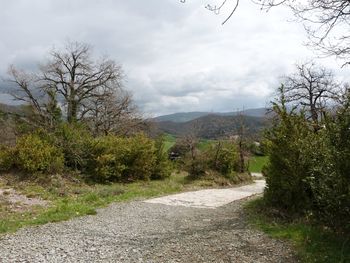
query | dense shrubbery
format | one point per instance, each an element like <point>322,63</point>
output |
<point>221,158</point>
<point>7,158</point>
<point>74,140</point>
<point>308,172</point>
<point>126,159</point>
<point>162,168</point>
<point>102,159</point>
<point>286,171</point>
<point>33,154</point>
<point>329,177</point>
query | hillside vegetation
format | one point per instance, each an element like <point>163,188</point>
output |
<point>95,150</point>
<point>215,126</point>
<point>189,116</point>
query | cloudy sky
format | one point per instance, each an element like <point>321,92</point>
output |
<point>177,57</point>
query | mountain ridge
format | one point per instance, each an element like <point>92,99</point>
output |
<point>180,117</point>
<point>215,126</point>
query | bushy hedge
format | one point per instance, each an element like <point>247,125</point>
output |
<point>162,168</point>
<point>287,170</point>
<point>221,157</point>
<point>309,171</point>
<point>102,159</point>
<point>33,154</point>
<point>329,177</point>
<point>74,140</point>
<point>125,159</point>
<point>7,158</point>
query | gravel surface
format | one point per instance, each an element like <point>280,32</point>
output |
<point>146,232</point>
<point>211,198</point>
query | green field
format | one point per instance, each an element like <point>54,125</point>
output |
<point>256,163</point>
<point>204,144</point>
<point>169,141</point>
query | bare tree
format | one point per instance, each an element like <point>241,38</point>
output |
<point>191,140</point>
<point>241,140</point>
<point>313,88</point>
<point>216,8</point>
<point>326,21</point>
<point>76,77</point>
<point>112,112</point>
<point>84,89</point>
<point>42,101</point>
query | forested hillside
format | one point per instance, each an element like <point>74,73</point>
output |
<point>189,116</point>
<point>214,126</point>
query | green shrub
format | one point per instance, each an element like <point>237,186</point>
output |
<point>196,165</point>
<point>74,140</point>
<point>6,158</point>
<point>180,148</point>
<point>329,176</point>
<point>162,168</point>
<point>34,154</point>
<point>286,172</point>
<point>121,159</point>
<point>308,169</point>
<point>223,158</point>
<point>141,158</point>
<point>105,162</point>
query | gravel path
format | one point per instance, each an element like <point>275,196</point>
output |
<point>211,198</point>
<point>147,232</point>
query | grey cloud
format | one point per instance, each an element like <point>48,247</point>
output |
<point>177,57</point>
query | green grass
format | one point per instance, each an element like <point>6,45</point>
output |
<point>205,144</point>
<point>68,201</point>
<point>256,163</point>
<point>314,244</point>
<point>169,141</point>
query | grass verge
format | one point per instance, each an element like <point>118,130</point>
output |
<point>313,243</point>
<point>69,199</point>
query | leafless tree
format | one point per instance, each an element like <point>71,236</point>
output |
<point>313,88</point>
<point>217,8</point>
<point>42,101</point>
<point>112,112</point>
<point>77,78</point>
<point>191,140</point>
<point>326,21</point>
<point>241,140</point>
<point>84,89</point>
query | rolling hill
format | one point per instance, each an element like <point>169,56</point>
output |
<point>189,116</point>
<point>214,126</point>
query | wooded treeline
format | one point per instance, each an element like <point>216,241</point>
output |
<point>77,116</point>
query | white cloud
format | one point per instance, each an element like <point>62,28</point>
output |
<point>177,57</point>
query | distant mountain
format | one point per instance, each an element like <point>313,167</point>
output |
<point>189,116</point>
<point>214,126</point>
<point>181,116</point>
